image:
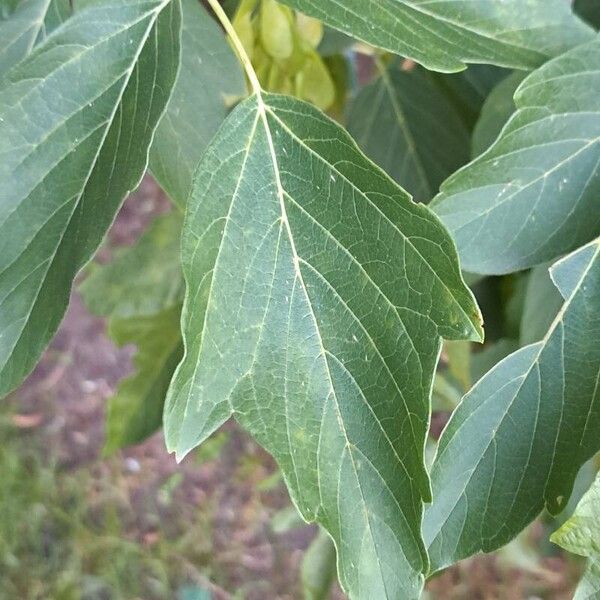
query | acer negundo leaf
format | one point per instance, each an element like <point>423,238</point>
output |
<point>535,193</point>
<point>124,58</point>
<point>517,440</point>
<point>317,295</point>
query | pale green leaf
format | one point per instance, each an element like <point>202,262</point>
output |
<point>76,120</point>
<point>446,34</point>
<point>317,292</point>
<point>210,80</point>
<point>496,111</point>
<point>535,194</point>
<point>519,437</point>
<point>581,535</point>
<point>141,280</point>
<point>409,127</point>
<point>135,411</point>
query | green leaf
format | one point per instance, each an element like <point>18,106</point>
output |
<point>534,194</point>
<point>26,25</point>
<point>318,568</point>
<point>446,34</point>
<point>581,535</point>
<point>76,119</point>
<point>143,279</point>
<point>588,10</point>
<point>519,437</point>
<point>491,355</point>
<point>542,303</point>
<point>496,111</point>
<point>135,411</point>
<point>317,293</point>
<point>407,125</point>
<point>210,79</point>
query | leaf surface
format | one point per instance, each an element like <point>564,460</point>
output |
<point>317,293</point>
<point>445,34</point>
<point>69,154</point>
<point>409,127</point>
<point>210,78</point>
<point>519,437</point>
<point>535,194</point>
<point>581,535</point>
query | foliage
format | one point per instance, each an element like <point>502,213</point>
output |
<point>311,294</point>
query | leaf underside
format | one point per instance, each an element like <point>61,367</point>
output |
<point>518,438</point>
<point>446,34</point>
<point>317,293</point>
<point>124,59</point>
<point>535,194</point>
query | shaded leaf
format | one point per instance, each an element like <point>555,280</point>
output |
<point>141,280</point>
<point>407,125</point>
<point>519,437</point>
<point>446,34</point>
<point>589,10</point>
<point>496,111</point>
<point>490,356</point>
<point>210,79</point>
<point>534,194</point>
<point>581,535</point>
<point>542,303</point>
<point>135,411</point>
<point>124,59</point>
<point>317,293</point>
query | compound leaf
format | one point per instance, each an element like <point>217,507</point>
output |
<point>408,126</point>
<point>210,78</point>
<point>70,153</point>
<point>317,292</point>
<point>535,194</point>
<point>446,34</point>
<point>519,437</point>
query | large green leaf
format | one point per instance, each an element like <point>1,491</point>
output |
<point>518,438</point>
<point>142,279</point>
<point>408,126</point>
<point>135,411</point>
<point>209,79</point>
<point>317,293</point>
<point>581,535</point>
<point>27,24</point>
<point>535,194</point>
<point>446,34</point>
<point>76,120</point>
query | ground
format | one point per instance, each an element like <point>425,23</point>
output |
<point>74,524</point>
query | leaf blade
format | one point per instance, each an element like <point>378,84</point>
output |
<point>445,35</point>
<point>270,266</point>
<point>51,225</point>
<point>542,171</point>
<point>522,421</point>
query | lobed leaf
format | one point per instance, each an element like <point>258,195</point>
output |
<point>518,438</point>
<point>69,154</point>
<point>317,293</point>
<point>446,34</point>
<point>535,194</point>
